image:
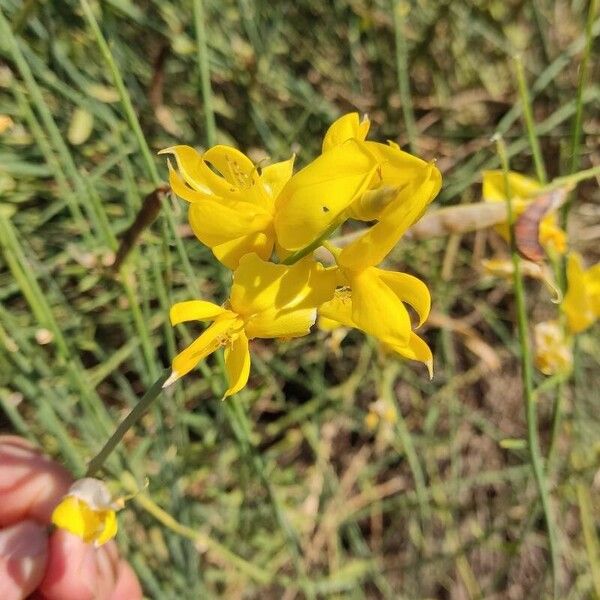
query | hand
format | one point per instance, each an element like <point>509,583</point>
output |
<point>33,561</point>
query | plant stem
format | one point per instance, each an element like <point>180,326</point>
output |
<point>204,68</point>
<point>300,254</point>
<point>403,78</point>
<point>540,169</point>
<point>127,423</point>
<point>537,464</point>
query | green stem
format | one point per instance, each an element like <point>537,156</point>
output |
<point>581,85</point>
<point>537,464</point>
<point>300,254</point>
<point>127,423</point>
<point>204,68</point>
<point>403,77</point>
<point>530,123</point>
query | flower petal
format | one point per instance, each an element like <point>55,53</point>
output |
<point>281,324</point>
<point>377,310</point>
<point>521,187</point>
<point>338,309</point>
<point>206,344</point>
<point>409,289</point>
<point>260,286</point>
<point>377,242</point>
<point>230,253</point>
<point>237,364</point>
<point>235,167</point>
<point>346,128</point>
<point>216,223</point>
<point>68,515</point>
<point>196,310</point>
<point>576,305</point>
<point>109,531</point>
<point>416,349</point>
<point>197,174</point>
<point>275,176</point>
<point>315,197</point>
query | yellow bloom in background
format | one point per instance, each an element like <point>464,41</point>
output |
<point>582,300</point>
<point>523,190</point>
<point>232,201</point>
<point>88,512</point>
<point>553,352</point>
<point>267,301</point>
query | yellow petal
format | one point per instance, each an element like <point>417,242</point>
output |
<point>377,310</point>
<point>68,515</point>
<point>409,289</point>
<point>184,191</point>
<point>235,167</point>
<point>316,197</point>
<point>416,349</point>
<point>275,176</point>
<point>398,168</point>
<point>326,324</point>
<point>210,340</point>
<point>338,309</point>
<point>593,284</point>
<point>576,305</point>
<point>230,253</point>
<point>195,310</point>
<point>197,174</point>
<point>275,323</point>
<point>216,223</point>
<point>346,128</point>
<point>237,364</point>
<point>377,242</point>
<point>259,286</point>
<point>109,519</point>
<point>521,187</point>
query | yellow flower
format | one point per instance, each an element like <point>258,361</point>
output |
<point>348,127</point>
<point>352,178</point>
<point>88,512</point>
<point>372,299</point>
<point>552,350</point>
<point>232,201</point>
<point>523,190</point>
<point>582,300</point>
<point>267,301</point>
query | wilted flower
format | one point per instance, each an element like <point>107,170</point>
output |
<point>88,511</point>
<point>524,191</point>
<point>553,352</point>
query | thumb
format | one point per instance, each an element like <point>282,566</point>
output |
<point>23,555</point>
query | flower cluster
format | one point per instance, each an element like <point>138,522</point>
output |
<point>264,223</point>
<point>580,307</point>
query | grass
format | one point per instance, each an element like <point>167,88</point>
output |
<point>284,491</point>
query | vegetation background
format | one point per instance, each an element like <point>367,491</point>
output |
<point>293,490</point>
